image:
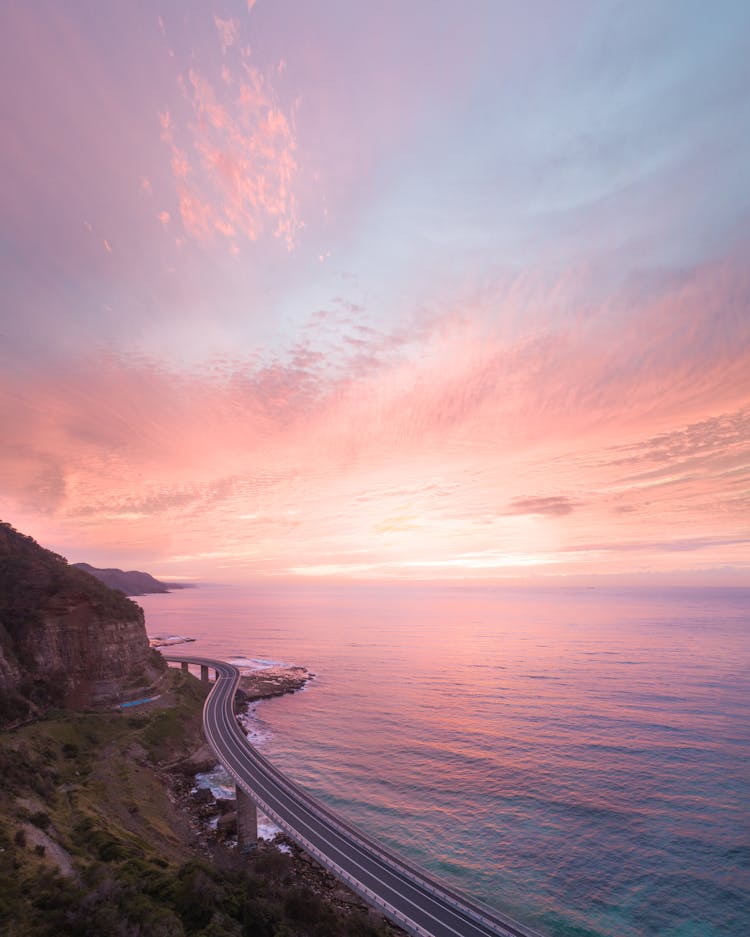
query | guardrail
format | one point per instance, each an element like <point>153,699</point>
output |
<point>498,924</point>
<point>367,893</point>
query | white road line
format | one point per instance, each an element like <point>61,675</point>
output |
<point>352,860</point>
<point>293,809</point>
<point>356,848</point>
<point>242,753</point>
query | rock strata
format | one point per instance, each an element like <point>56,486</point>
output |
<point>65,638</point>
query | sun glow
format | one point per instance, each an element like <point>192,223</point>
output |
<point>265,317</point>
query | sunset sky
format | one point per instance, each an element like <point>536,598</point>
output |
<point>406,290</point>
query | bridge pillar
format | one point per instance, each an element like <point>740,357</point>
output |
<point>204,673</point>
<point>185,667</point>
<point>247,821</point>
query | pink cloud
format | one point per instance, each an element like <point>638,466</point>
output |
<point>197,216</point>
<point>460,429</point>
<point>234,161</point>
<point>438,448</point>
<point>180,165</point>
<point>227,30</point>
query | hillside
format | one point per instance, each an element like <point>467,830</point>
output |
<point>65,638</point>
<point>95,838</point>
<point>131,582</point>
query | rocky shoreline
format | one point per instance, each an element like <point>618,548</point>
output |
<point>271,681</point>
<point>167,640</point>
<point>213,821</point>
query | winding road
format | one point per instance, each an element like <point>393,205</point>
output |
<point>410,898</point>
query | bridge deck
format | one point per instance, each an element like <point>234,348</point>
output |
<point>418,903</point>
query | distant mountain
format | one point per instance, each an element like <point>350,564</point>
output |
<point>132,582</point>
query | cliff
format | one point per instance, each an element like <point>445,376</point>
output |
<point>65,638</point>
<point>132,582</point>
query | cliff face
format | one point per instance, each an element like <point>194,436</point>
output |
<point>65,638</point>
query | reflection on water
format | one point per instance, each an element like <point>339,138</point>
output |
<point>575,757</point>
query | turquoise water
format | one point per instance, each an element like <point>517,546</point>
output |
<point>577,758</point>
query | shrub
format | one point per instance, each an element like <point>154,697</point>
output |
<point>302,904</point>
<point>198,895</point>
<point>273,865</point>
<point>40,819</point>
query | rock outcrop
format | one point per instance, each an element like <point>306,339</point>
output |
<point>271,681</point>
<point>65,638</point>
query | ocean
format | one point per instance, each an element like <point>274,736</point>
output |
<point>578,758</point>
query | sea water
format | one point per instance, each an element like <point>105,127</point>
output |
<point>579,758</point>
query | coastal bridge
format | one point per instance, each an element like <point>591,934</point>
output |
<point>409,897</point>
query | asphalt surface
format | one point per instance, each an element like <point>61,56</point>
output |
<point>406,895</point>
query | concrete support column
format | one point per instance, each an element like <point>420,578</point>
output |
<point>247,821</point>
<point>185,667</point>
<point>204,673</point>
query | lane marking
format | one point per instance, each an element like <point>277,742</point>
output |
<point>219,705</point>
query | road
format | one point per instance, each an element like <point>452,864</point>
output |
<point>406,895</point>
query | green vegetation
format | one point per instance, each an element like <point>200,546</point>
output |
<point>29,575</point>
<point>90,841</point>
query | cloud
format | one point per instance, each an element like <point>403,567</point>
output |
<point>332,569</point>
<point>553,506</point>
<point>397,441</point>
<point>699,470</point>
<point>227,30</point>
<point>692,445</point>
<point>34,479</point>
<point>159,500</point>
<point>234,162</point>
<point>675,545</point>
<point>679,355</point>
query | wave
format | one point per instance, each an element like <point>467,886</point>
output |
<point>251,664</point>
<point>221,785</point>
<point>256,729</point>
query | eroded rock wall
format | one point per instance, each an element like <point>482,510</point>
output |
<point>65,638</point>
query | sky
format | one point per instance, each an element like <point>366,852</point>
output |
<point>398,291</point>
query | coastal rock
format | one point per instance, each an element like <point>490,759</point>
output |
<point>167,640</point>
<point>203,795</point>
<point>65,638</point>
<point>201,760</point>
<point>271,681</point>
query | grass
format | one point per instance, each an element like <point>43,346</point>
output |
<point>100,766</point>
<point>91,787</point>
